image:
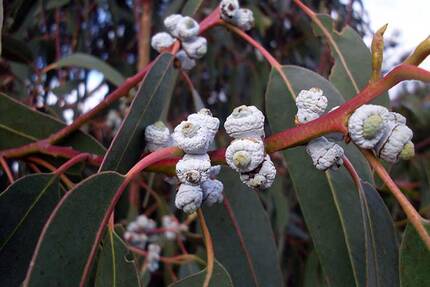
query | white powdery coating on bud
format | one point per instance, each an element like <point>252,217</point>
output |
<point>171,24</point>
<point>325,154</point>
<point>186,62</point>
<point>192,138</point>
<point>196,47</point>
<point>193,169</point>
<point>212,192</point>
<point>244,19</point>
<point>153,257</point>
<point>311,104</point>
<point>356,125</point>
<point>214,171</point>
<point>113,119</point>
<point>204,117</point>
<point>245,155</point>
<point>136,239</point>
<point>157,136</point>
<point>391,148</point>
<point>245,121</point>
<point>145,223</point>
<point>228,9</point>
<point>395,117</point>
<point>189,198</point>
<point>171,224</point>
<point>161,41</point>
<point>133,227</point>
<point>187,29</point>
<point>261,178</point>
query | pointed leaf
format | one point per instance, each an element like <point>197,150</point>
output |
<point>114,267</point>
<point>86,61</point>
<point>242,236</point>
<point>24,208</point>
<point>191,7</point>
<point>68,236</point>
<point>313,273</point>
<point>328,200</point>
<point>220,278</point>
<point>151,100</point>
<point>414,259</point>
<point>353,61</point>
<point>20,125</point>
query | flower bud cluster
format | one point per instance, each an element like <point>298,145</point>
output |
<point>140,231</point>
<point>157,136</point>
<point>240,17</point>
<point>246,153</point>
<point>153,257</point>
<point>311,104</point>
<point>384,132</point>
<point>186,30</point>
<point>172,227</point>
<point>194,171</point>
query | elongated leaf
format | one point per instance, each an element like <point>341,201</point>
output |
<point>191,7</point>
<point>1,21</point>
<point>381,245</point>
<point>90,62</point>
<point>328,200</point>
<point>243,237</point>
<point>414,259</point>
<point>151,100</point>
<point>313,273</point>
<point>69,235</point>
<point>16,50</point>
<point>353,61</point>
<point>114,267</point>
<point>220,278</point>
<point>20,125</point>
<point>24,208</point>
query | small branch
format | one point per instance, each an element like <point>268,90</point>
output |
<point>352,172</point>
<point>419,54</point>
<point>144,31</point>
<point>53,169</point>
<point>7,170</point>
<point>414,217</point>
<point>209,248</point>
<point>180,259</point>
<point>77,159</point>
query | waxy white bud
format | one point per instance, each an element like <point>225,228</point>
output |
<point>192,138</point>
<point>193,169</point>
<point>244,19</point>
<point>391,147</point>
<point>172,225</point>
<point>157,136</point>
<point>214,171</point>
<point>212,192</point>
<point>196,47</point>
<point>325,154</point>
<point>310,104</point>
<point>245,121</point>
<point>228,9</point>
<point>171,24</point>
<point>187,29</point>
<point>204,117</point>
<point>153,257</point>
<point>189,198</point>
<point>367,125</point>
<point>161,41</point>
<point>245,155</point>
<point>262,177</point>
<point>186,62</point>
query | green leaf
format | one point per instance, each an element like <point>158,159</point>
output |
<point>69,235</point>
<point>220,278</point>
<point>328,200</point>
<point>191,7</point>
<point>24,208</point>
<point>66,88</point>
<point>414,259</point>
<point>20,125</point>
<point>353,61</point>
<point>16,50</point>
<point>86,61</point>
<point>313,273</point>
<point>381,243</point>
<point>242,235</point>
<point>114,267</point>
<point>151,101</point>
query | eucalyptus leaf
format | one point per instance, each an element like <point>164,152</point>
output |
<point>24,208</point>
<point>242,235</point>
<point>65,245</point>
<point>191,7</point>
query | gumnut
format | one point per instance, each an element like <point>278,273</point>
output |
<point>193,169</point>
<point>325,154</point>
<point>245,121</point>
<point>262,177</point>
<point>161,41</point>
<point>157,136</point>
<point>186,62</point>
<point>196,47</point>
<point>192,138</point>
<point>245,155</point>
<point>189,198</point>
<point>212,192</point>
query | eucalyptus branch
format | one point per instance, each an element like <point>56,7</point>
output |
<point>209,248</point>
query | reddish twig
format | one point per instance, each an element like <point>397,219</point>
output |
<point>210,254</point>
<point>77,159</point>
<point>6,169</point>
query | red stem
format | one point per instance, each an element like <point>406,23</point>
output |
<point>6,169</point>
<point>77,159</point>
